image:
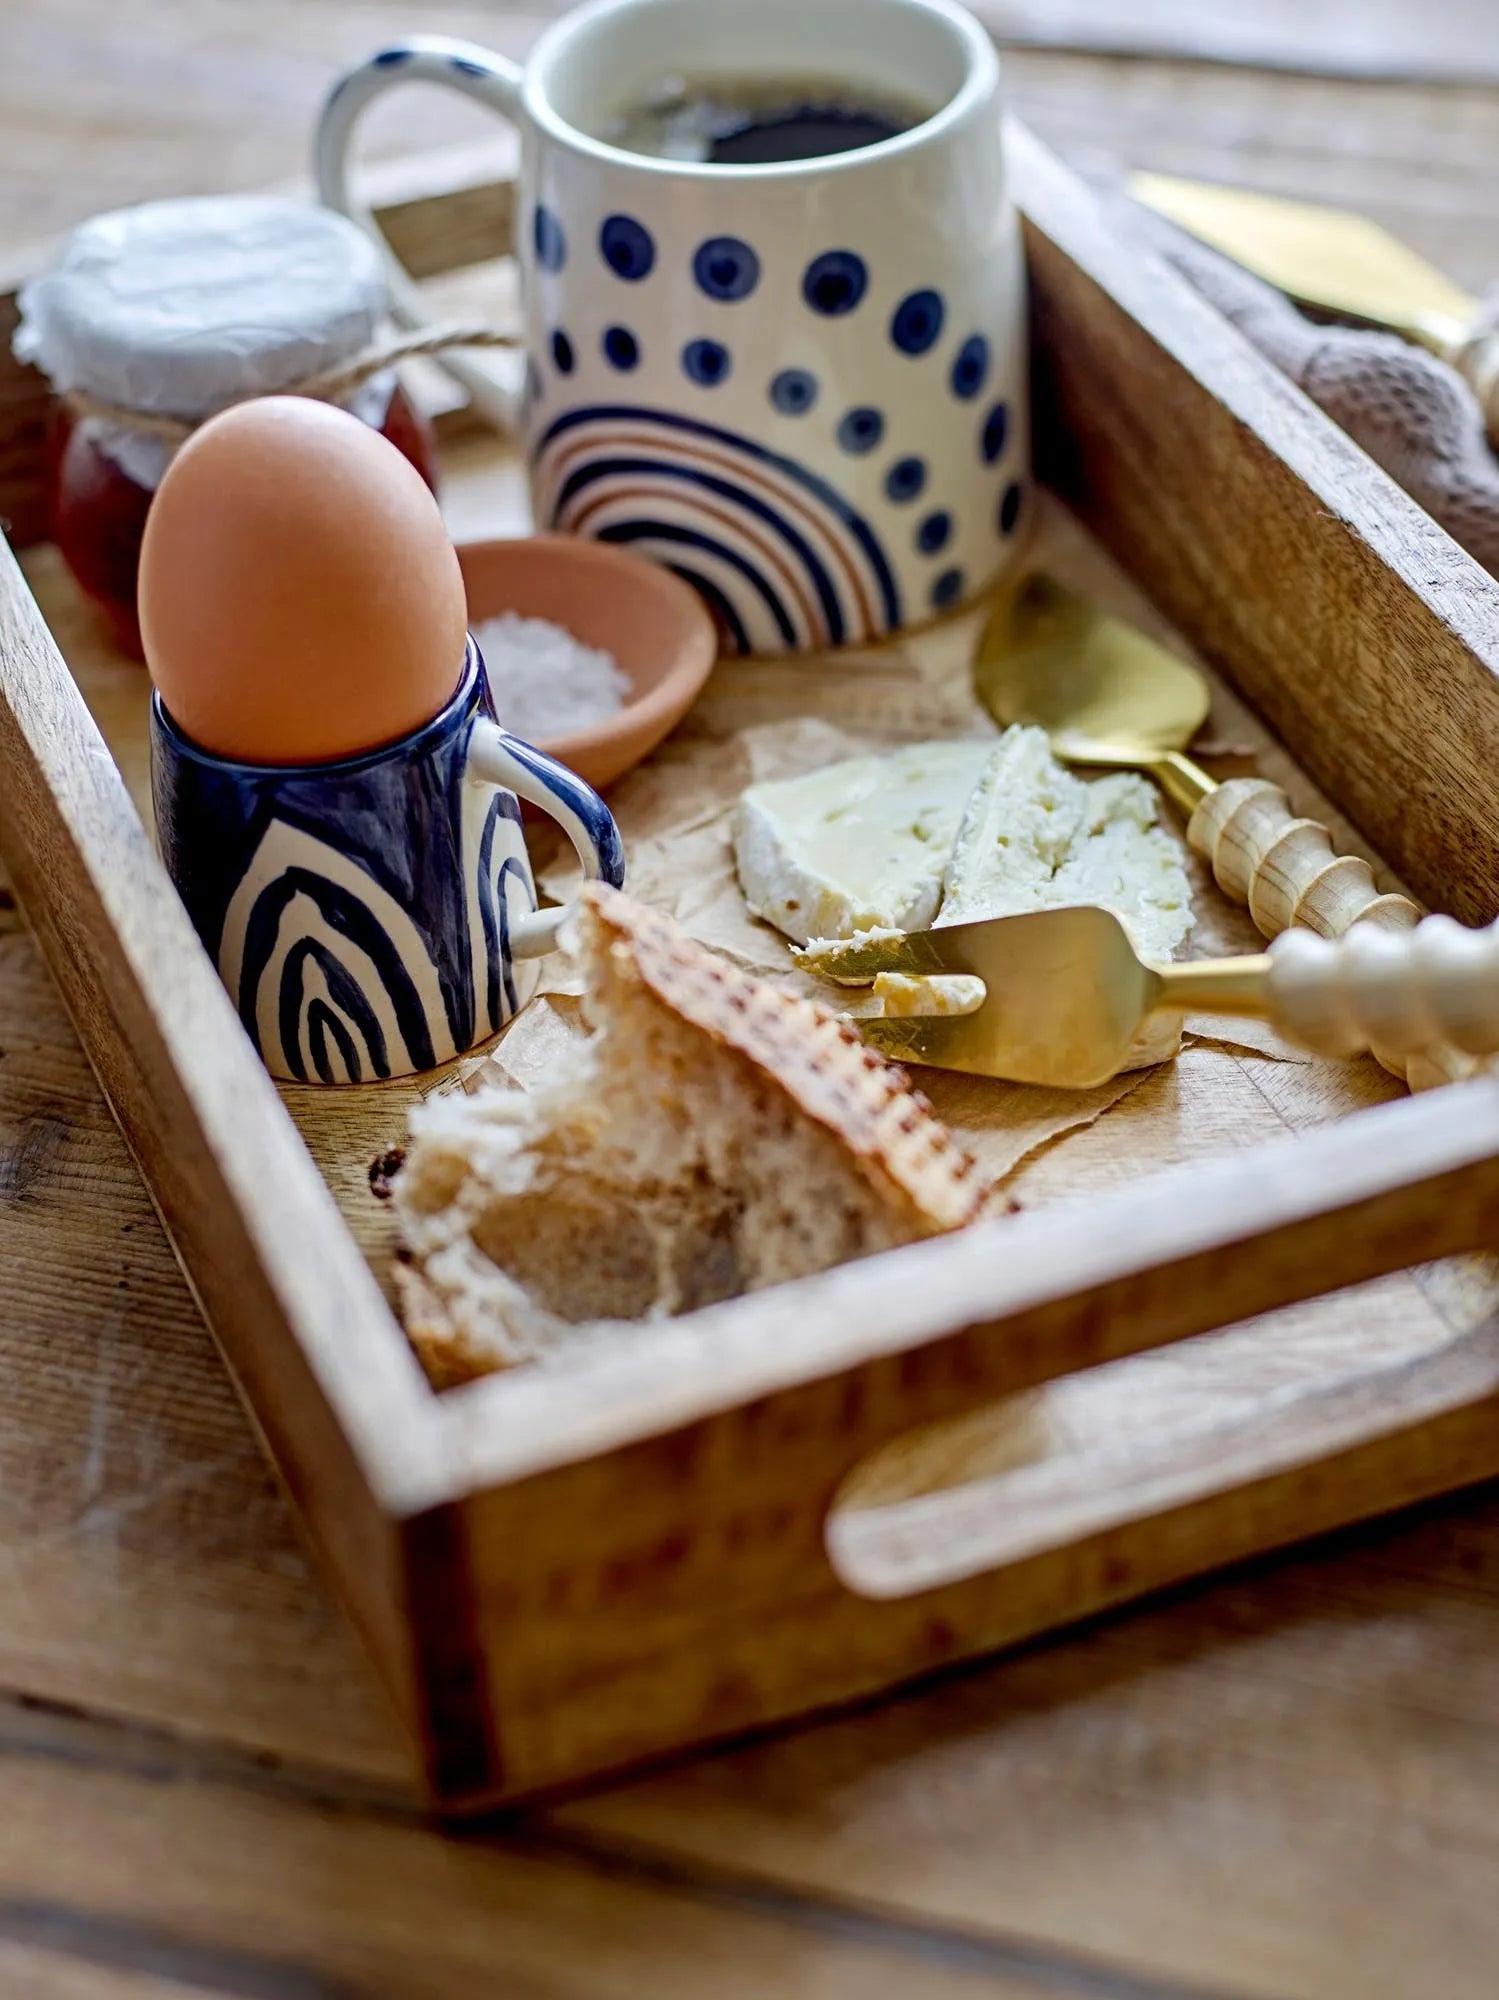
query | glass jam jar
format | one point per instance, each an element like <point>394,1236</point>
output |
<point>171,311</point>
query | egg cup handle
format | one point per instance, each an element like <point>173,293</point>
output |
<point>460,66</point>
<point>497,758</point>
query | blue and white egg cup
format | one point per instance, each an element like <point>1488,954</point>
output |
<point>801,384</point>
<point>374,917</point>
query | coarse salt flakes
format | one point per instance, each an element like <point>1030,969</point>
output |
<point>545,682</point>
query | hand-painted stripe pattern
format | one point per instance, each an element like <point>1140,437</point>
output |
<point>331,976</point>
<point>785,560</point>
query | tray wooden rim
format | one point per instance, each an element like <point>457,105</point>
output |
<point>406,1489</point>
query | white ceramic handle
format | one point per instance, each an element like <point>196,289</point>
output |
<point>460,66</point>
<point>1434,986</point>
<point>497,758</point>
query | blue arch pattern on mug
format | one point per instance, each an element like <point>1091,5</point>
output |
<point>338,975</point>
<point>332,978</point>
<point>783,559</point>
<point>499,875</point>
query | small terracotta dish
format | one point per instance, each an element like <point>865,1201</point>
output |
<point>655,625</point>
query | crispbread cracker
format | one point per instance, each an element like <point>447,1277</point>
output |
<point>813,1054</point>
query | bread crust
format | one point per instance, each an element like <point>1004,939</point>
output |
<point>815,1056</point>
<point>714,1134</point>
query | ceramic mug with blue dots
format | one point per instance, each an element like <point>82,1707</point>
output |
<point>800,384</point>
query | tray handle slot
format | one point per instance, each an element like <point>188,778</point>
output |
<point>1045,1472</point>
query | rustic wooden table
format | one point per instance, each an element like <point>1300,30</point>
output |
<point>1283,1784</point>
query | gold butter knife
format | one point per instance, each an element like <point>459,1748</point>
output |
<point>1063,994</point>
<point>1337,264</point>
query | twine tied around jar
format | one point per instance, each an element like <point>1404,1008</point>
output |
<point>327,385</point>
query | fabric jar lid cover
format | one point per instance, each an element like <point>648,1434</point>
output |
<point>175,308</point>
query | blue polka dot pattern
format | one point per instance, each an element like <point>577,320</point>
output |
<point>947,589</point>
<point>391,58</point>
<point>996,430</point>
<point>794,391</point>
<point>905,480</point>
<point>935,532</point>
<point>551,244</point>
<point>1009,507</point>
<point>627,247</point>
<point>726,268</point>
<point>621,348</point>
<point>562,352</point>
<point>861,430</point>
<point>835,282</point>
<point>917,321</point>
<point>970,367</point>
<point>707,362</point>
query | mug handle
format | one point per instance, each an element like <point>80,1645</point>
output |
<point>461,66</point>
<point>495,757</point>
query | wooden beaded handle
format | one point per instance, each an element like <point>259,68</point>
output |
<point>1291,877</point>
<point>1431,987</point>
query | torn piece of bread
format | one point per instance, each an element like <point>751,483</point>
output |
<point>712,1135</point>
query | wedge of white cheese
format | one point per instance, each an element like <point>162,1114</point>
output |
<point>946,833</point>
<point>1034,837</point>
<point>862,845</point>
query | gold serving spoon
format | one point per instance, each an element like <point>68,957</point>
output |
<point>1104,692</point>
<point>1065,993</point>
<point>1108,694</point>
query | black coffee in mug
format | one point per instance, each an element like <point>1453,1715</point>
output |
<point>752,121</point>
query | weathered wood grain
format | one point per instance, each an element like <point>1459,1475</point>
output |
<point>225,1883</point>
<point>1283,1783</point>
<point>1280,1787</point>
<point>1387,39</point>
<point>148,1562</point>
<point>1355,626</point>
<point>511,1668</point>
<point>314,1346</point>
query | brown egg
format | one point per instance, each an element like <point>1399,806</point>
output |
<point>300,600</point>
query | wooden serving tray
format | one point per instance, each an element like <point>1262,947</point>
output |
<point>799,1498</point>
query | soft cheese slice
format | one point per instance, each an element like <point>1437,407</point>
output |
<point>1034,837</point>
<point>862,845</point>
<point>1017,829</point>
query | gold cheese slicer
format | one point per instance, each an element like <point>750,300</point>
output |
<point>1338,265</point>
<point>1065,993</point>
<point>1108,694</point>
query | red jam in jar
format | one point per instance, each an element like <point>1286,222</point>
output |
<point>171,311</point>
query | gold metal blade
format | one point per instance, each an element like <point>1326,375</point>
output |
<point>1064,994</point>
<point>1104,691</point>
<point>1323,258</point>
